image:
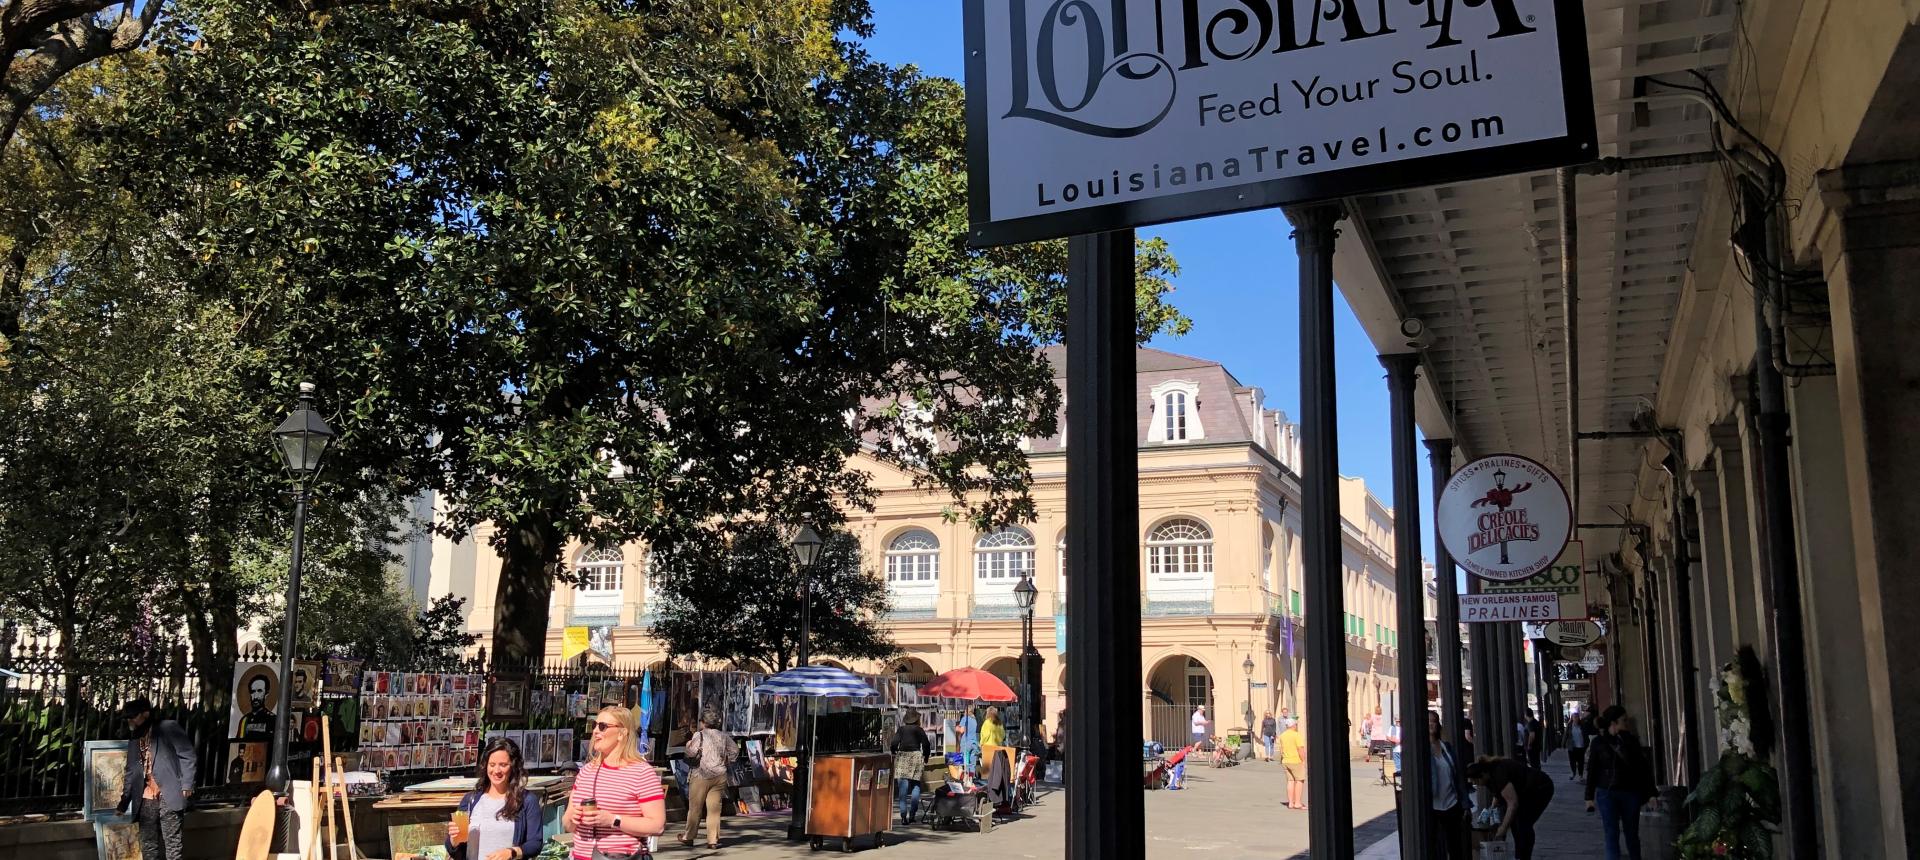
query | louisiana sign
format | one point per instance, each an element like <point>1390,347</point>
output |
<point>1091,115</point>
<point>1504,517</point>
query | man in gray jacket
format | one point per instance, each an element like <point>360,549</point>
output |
<point>159,783</point>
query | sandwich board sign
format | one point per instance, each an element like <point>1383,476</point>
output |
<point>1092,115</point>
<point>1504,517</point>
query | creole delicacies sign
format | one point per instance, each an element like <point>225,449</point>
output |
<point>1088,115</point>
<point>1504,517</point>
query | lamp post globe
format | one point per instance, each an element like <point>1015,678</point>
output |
<point>303,440</point>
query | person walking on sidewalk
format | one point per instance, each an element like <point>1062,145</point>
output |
<point>1619,781</point>
<point>1269,732</point>
<point>911,748</point>
<point>1534,735</point>
<point>1450,795</point>
<point>158,785</point>
<point>1523,793</point>
<point>709,752</point>
<point>1579,734</point>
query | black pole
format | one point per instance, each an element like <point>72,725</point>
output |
<point>797,819</point>
<point>1106,811</point>
<point>1790,686</point>
<point>1416,759</point>
<point>1329,788</point>
<point>1030,666</point>
<point>1446,626</point>
<point>1650,641</point>
<point>277,776</point>
<point>1478,645</point>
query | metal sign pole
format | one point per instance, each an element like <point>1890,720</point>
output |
<point>1106,810</point>
<point>1446,625</point>
<point>1329,788</point>
<point>1416,796</point>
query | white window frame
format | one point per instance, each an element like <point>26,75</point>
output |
<point>1176,412</point>
<point>601,570</point>
<point>913,561</point>
<point>1002,557</point>
<point>1180,555</point>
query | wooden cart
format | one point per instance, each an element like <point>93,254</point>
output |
<point>850,796</point>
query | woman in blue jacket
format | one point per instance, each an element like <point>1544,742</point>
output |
<point>501,817</point>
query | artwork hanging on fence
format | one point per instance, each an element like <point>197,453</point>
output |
<point>563,746</point>
<point>760,721</point>
<point>757,759</point>
<point>713,692</point>
<point>736,714</point>
<point>786,723</point>
<point>306,683</point>
<point>106,779</point>
<point>685,699</point>
<point>342,675</point>
<point>509,699</point>
<point>117,840</point>
<point>256,691</point>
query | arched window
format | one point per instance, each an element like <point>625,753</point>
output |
<point>1176,406</point>
<point>913,558</point>
<point>599,569</point>
<point>1004,556</point>
<point>1180,550</point>
<point>1176,416</point>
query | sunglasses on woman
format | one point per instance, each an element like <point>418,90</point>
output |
<point>605,727</point>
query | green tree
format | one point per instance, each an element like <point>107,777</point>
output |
<point>739,599</point>
<point>594,271</point>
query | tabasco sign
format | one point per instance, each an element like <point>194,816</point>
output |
<point>1504,517</point>
<point>1089,115</point>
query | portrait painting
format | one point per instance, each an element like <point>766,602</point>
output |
<point>342,675</point>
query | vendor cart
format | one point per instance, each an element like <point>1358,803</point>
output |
<point>852,797</point>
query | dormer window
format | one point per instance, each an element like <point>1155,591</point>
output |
<point>1176,407</point>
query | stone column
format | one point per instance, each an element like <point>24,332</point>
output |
<point>1871,254</point>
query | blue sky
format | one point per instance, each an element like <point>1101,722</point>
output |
<point>1239,282</point>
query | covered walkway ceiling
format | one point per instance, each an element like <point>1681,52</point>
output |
<point>1479,264</point>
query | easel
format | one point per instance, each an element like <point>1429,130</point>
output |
<point>256,834</point>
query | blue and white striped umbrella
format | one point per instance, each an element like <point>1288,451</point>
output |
<point>816,681</point>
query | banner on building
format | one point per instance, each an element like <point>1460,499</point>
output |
<point>1564,579</point>
<point>573,642</point>
<point>1519,606</point>
<point>1088,116</point>
<point>1504,518</point>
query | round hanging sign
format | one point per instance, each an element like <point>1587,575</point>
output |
<point>1504,517</point>
<point>1573,634</point>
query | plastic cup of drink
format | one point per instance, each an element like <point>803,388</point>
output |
<point>460,828</point>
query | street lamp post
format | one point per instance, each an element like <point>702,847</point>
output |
<point>303,439</point>
<point>1246,668</point>
<point>806,550</point>
<point>1026,594</point>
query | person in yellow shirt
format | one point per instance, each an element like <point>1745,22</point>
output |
<point>993,733</point>
<point>1293,756</point>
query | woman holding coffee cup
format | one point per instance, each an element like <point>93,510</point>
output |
<point>499,819</point>
<point>617,798</point>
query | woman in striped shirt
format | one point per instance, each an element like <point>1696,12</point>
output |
<point>617,799</point>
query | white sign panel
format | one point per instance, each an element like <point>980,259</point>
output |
<point>1087,115</point>
<point>1520,606</point>
<point>1572,633</point>
<point>1563,578</point>
<point>1504,517</point>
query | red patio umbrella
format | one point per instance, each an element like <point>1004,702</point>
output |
<point>968,683</point>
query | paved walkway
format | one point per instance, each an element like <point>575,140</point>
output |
<point>1237,813</point>
<point>1566,832</point>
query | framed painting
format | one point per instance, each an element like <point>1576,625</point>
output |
<point>117,840</point>
<point>106,779</point>
<point>508,699</point>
